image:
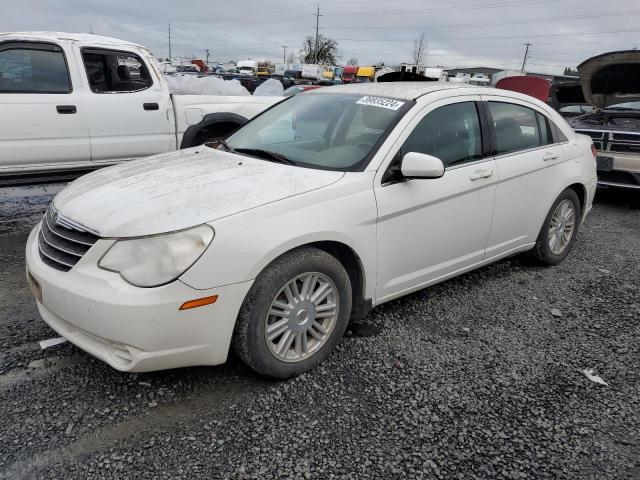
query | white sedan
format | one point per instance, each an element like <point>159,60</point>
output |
<point>320,208</point>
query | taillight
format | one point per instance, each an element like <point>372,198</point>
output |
<point>593,150</point>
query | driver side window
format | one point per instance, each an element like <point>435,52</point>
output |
<point>450,133</point>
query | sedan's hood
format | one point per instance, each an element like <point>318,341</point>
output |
<point>611,78</point>
<point>179,190</point>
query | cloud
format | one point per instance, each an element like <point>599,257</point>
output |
<point>463,33</point>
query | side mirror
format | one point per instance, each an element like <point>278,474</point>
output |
<point>420,165</point>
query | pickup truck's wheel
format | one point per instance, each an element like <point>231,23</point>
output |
<point>559,229</point>
<point>295,313</point>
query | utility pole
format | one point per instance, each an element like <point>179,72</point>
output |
<point>317,14</point>
<point>170,57</point>
<point>526,54</point>
<point>207,62</point>
<point>284,54</point>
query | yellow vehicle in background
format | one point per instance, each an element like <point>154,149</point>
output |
<point>365,74</point>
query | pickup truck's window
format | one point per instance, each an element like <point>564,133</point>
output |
<point>335,131</point>
<point>516,127</point>
<point>113,71</point>
<point>450,133</point>
<point>33,70</point>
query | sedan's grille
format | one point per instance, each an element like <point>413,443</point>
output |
<point>61,243</point>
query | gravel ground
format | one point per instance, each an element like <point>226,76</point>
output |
<point>479,377</point>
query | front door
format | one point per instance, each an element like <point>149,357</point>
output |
<point>429,229</point>
<point>43,122</point>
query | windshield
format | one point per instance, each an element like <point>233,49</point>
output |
<point>328,131</point>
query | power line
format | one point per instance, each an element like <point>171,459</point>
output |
<point>458,8</point>
<point>507,22</point>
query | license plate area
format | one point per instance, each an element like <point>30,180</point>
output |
<point>604,164</point>
<point>35,288</point>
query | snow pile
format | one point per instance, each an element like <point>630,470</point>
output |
<point>269,88</point>
<point>193,85</point>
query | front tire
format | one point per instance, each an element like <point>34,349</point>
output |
<point>295,313</point>
<point>559,229</point>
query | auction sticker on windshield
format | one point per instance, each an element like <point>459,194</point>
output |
<point>382,102</point>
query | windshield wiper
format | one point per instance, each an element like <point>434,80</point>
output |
<point>224,144</point>
<point>266,154</point>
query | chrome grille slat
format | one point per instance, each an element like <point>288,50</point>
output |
<point>59,247</point>
<point>62,244</point>
<point>62,236</point>
<point>51,257</point>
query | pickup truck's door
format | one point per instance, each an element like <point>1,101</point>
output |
<point>43,123</point>
<point>131,114</point>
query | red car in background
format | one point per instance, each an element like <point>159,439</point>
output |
<point>537,87</point>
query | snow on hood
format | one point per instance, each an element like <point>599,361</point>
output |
<point>611,78</point>
<point>178,190</point>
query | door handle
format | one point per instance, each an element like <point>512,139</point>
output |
<point>66,109</point>
<point>550,156</point>
<point>480,174</point>
<point>150,106</point>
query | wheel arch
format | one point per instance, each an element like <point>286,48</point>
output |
<point>350,260</point>
<point>581,191</point>
<point>228,120</point>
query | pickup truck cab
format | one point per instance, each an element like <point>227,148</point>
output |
<point>80,101</point>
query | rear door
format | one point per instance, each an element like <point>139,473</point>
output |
<point>43,123</point>
<point>430,229</point>
<point>528,157</point>
<point>131,114</point>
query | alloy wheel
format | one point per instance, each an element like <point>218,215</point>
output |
<point>562,226</point>
<point>301,317</point>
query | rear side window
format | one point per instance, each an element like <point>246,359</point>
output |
<point>33,68</point>
<point>516,127</point>
<point>543,128</point>
<point>450,133</point>
<point>112,71</point>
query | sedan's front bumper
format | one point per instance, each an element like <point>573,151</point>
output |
<point>131,328</point>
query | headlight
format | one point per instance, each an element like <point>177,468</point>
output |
<point>157,260</point>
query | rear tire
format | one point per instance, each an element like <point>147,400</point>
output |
<point>559,229</point>
<point>295,313</point>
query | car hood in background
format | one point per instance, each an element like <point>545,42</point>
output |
<point>181,189</point>
<point>611,78</point>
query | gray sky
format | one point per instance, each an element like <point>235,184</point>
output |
<point>459,32</point>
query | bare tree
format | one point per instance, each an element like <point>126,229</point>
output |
<point>327,51</point>
<point>291,58</point>
<point>419,49</point>
<point>352,61</point>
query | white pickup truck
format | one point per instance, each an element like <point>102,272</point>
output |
<point>71,102</point>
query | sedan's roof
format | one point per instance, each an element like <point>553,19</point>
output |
<point>400,90</point>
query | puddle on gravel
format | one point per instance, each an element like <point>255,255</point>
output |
<point>41,366</point>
